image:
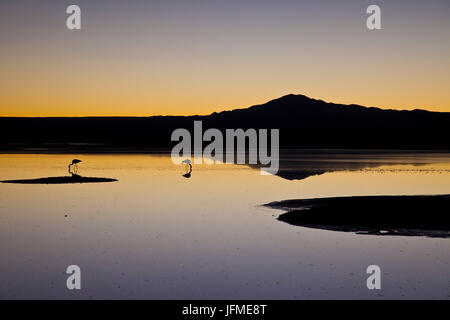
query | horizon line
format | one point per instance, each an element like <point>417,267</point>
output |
<point>225,110</point>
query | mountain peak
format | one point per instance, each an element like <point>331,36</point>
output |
<point>291,97</point>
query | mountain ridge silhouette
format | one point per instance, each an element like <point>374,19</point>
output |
<point>303,122</point>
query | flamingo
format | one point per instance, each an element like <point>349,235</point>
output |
<point>187,162</point>
<point>75,164</point>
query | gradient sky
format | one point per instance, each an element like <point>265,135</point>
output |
<point>196,57</point>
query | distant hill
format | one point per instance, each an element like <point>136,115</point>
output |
<point>303,123</point>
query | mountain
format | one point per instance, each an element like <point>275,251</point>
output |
<point>303,123</point>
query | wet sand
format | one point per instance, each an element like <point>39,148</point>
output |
<point>61,180</point>
<point>378,215</point>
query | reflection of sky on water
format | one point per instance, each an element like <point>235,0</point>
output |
<point>154,234</point>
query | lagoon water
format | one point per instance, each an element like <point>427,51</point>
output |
<point>154,234</point>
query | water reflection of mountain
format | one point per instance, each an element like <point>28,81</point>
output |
<point>301,164</point>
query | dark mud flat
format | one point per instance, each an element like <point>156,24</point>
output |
<point>378,215</point>
<point>61,180</point>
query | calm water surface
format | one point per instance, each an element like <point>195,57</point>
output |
<point>157,235</point>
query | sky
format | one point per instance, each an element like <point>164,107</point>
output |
<point>184,57</point>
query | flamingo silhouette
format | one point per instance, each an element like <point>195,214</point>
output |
<point>75,166</point>
<point>187,162</point>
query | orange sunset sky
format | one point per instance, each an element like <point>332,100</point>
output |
<point>144,58</point>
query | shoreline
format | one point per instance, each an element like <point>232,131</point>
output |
<point>96,149</point>
<point>416,215</point>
